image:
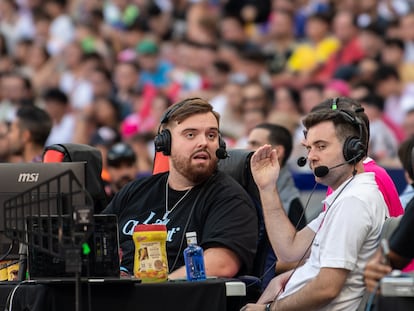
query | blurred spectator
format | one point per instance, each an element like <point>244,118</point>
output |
<point>369,14</point>
<point>143,145</point>
<point>21,51</point>
<point>16,91</point>
<point>383,144</point>
<point>231,28</point>
<point>3,45</point>
<point>315,51</point>
<point>140,121</point>
<point>256,96</point>
<point>217,75</point>
<point>398,98</point>
<point>28,133</point>
<point>251,118</point>
<point>408,124</point>
<point>253,65</point>
<point>360,90</point>
<point>336,88</point>
<point>154,69</point>
<point>405,154</point>
<point>57,106</point>
<point>201,23</point>
<point>281,140</point>
<point>365,70</point>
<point>126,79</point>
<point>346,31</point>
<point>393,55</point>
<point>280,44</point>
<point>106,112</point>
<point>287,100</point>
<point>73,80</point>
<point>13,26</point>
<point>371,40</point>
<point>61,30</point>
<point>184,74</point>
<point>407,35</point>
<point>121,162</point>
<point>231,118</point>
<point>4,142</point>
<point>311,94</point>
<point>103,138</point>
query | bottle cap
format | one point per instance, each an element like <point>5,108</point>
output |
<point>191,234</point>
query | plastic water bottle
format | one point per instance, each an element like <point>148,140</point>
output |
<point>194,259</point>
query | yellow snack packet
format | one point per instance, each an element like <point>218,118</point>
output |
<point>150,258</point>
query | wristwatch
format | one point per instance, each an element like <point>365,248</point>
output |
<point>267,308</point>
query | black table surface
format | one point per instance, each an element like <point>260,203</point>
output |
<point>114,295</point>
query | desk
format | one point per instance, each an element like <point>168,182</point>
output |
<point>213,294</point>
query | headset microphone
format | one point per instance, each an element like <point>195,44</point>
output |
<point>221,153</point>
<point>301,162</point>
<point>322,171</point>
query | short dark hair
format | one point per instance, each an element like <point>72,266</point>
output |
<point>343,127</point>
<point>55,94</point>
<point>120,153</point>
<point>352,105</point>
<point>374,101</point>
<point>187,108</point>
<point>279,135</point>
<point>394,42</point>
<point>36,121</point>
<point>384,72</point>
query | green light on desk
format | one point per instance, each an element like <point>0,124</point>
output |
<point>86,249</point>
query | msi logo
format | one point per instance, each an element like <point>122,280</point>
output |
<point>28,177</point>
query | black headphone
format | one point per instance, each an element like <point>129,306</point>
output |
<point>162,140</point>
<point>353,149</point>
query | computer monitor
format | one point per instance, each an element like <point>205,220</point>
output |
<point>16,178</point>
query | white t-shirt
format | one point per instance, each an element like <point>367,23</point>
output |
<point>347,235</point>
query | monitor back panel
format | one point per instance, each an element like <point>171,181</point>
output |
<point>19,177</point>
<point>101,262</point>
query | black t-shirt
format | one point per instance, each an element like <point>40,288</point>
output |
<point>219,210</point>
<point>402,240</point>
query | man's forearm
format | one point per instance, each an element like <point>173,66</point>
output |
<point>317,293</point>
<point>279,229</point>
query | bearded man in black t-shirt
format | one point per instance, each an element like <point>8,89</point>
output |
<point>192,196</point>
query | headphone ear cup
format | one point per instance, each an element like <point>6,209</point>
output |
<point>162,142</point>
<point>353,149</point>
<point>222,143</point>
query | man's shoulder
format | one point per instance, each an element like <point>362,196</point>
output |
<point>380,172</point>
<point>225,179</point>
<point>146,181</point>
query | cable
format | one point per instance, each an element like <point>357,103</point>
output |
<point>372,297</point>
<point>202,190</point>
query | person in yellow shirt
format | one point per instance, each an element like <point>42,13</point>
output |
<point>316,49</point>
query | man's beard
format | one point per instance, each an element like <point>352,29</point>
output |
<point>194,173</point>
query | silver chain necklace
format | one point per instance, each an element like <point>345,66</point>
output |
<point>168,212</point>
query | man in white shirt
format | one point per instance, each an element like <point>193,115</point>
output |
<point>335,246</point>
